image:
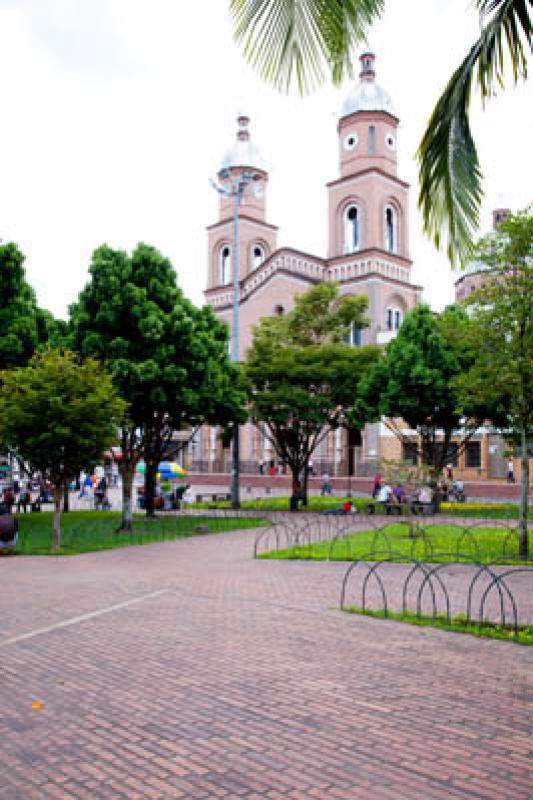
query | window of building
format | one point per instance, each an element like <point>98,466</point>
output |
<point>279,311</point>
<point>351,229</point>
<point>258,256</point>
<point>397,318</point>
<point>391,232</point>
<point>393,319</point>
<point>225,265</point>
<point>353,337</point>
<point>473,454</point>
<point>371,140</point>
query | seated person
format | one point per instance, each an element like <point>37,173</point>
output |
<point>398,494</point>
<point>8,531</point>
<point>384,494</point>
<point>425,495</point>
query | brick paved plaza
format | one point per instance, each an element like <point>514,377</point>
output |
<point>187,670</point>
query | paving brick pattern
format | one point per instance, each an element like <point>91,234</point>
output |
<point>241,679</point>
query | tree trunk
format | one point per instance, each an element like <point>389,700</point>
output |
<point>305,484</point>
<point>523,546</point>
<point>127,471</point>
<point>66,498</point>
<point>58,496</point>
<point>150,477</point>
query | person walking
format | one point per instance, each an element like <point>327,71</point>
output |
<point>377,485</point>
<point>326,486</point>
<point>510,471</point>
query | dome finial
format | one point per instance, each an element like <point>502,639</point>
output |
<point>367,95</point>
<point>243,153</point>
<point>243,120</point>
<point>367,66</point>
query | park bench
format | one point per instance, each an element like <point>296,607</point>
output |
<point>424,509</point>
<point>213,497</point>
<point>390,508</point>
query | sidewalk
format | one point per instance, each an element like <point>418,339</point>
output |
<point>281,485</point>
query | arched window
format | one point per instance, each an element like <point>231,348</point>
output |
<point>258,256</point>
<point>279,311</point>
<point>393,319</point>
<point>391,230</point>
<point>371,140</point>
<point>397,318</point>
<point>224,265</point>
<point>351,229</point>
<point>353,337</point>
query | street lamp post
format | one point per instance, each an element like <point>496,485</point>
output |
<point>235,189</point>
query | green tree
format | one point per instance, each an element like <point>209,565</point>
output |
<point>23,326</point>
<point>302,376</point>
<point>58,415</point>
<point>168,359</point>
<point>286,40</point>
<point>502,337</point>
<point>413,383</point>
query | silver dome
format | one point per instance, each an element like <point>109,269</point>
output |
<point>367,95</point>
<point>243,152</point>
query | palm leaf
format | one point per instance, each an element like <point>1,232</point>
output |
<point>302,40</point>
<point>450,177</point>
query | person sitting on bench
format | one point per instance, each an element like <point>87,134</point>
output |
<point>424,499</point>
<point>8,529</point>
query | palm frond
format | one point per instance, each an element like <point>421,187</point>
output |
<point>450,176</point>
<point>302,40</point>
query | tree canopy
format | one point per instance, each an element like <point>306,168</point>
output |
<point>58,415</point>
<point>23,325</point>
<point>414,383</point>
<point>167,358</point>
<point>302,376</point>
<point>501,335</point>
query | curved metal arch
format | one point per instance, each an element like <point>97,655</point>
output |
<point>434,572</point>
<point>466,533</point>
<point>510,533</point>
<point>500,579</point>
<point>354,564</point>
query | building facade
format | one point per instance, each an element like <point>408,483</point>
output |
<point>367,253</point>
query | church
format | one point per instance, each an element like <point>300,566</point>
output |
<point>367,253</point>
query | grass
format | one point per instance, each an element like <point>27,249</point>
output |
<point>436,543</point>
<point>86,531</point>
<point>318,503</point>
<point>458,624</point>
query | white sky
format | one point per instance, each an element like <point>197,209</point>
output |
<point>115,113</point>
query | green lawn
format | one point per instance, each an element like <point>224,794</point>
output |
<point>84,531</point>
<point>457,624</point>
<point>437,543</point>
<point>318,503</point>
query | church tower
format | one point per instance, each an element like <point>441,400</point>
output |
<point>369,205</point>
<point>257,239</point>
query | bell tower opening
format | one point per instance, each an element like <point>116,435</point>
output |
<point>224,273</point>
<point>351,229</point>
<point>391,230</point>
